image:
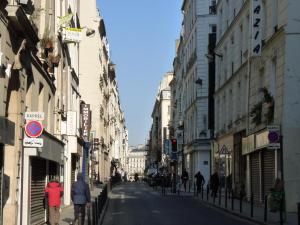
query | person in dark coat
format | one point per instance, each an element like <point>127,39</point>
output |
<point>199,181</point>
<point>54,191</point>
<point>184,178</point>
<point>214,184</point>
<point>81,197</point>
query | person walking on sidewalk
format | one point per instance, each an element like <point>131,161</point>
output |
<point>54,191</point>
<point>184,178</point>
<point>214,184</point>
<point>199,181</point>
<point>81,197</point>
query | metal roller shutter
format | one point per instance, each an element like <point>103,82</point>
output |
<point>255,177</point>
<point>38,175</point>
<point>268,170</point>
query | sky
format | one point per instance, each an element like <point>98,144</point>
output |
<point>142,35</point>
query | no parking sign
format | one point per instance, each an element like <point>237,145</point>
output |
<point>34,129</point>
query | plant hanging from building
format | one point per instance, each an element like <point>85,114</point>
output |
<point>256,113</point>
<point>268,102</point>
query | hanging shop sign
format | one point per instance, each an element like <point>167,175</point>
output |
<point>72,35</point>
<point>85,121</point>
<point>34,129</point>
<point>65,20</point>
<point>257,22</point>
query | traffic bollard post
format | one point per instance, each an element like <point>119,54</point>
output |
<point>251,205</point>
<point>266,209</point>
<point>226,197</point>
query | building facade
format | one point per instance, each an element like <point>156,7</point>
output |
<point>255,79</point>
<point>161,121</point>
<point>136,161</point>
<point>199,23</point>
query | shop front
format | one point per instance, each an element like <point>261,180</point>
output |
<point>263,165</point>
<point>40,166</point>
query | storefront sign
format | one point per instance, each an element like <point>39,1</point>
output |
<point>256,27</point>
<point>33,142</point>
<point>72,35</point>
<point>85,121</point>
<point>248,144</point>
<point>34,116</point>
<point>261,140</point>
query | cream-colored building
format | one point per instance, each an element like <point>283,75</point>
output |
<point>136,161</point>
<point>160,125</point>
<point>255,89</point>
<point>98,73</point>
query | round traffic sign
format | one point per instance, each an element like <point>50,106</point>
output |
<point>34,129</point>
<point>273,137</point>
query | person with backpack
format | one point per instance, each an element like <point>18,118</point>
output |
<point>53,192</point>
<point>81,197</point>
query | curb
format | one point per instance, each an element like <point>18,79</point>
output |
<point>236,214</point>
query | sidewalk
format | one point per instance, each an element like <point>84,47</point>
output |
<point>67,214</point>
<point>258,211</point>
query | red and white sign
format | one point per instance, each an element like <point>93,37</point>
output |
<point>34,129</point>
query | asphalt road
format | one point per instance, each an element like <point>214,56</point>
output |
<point>138,204</point>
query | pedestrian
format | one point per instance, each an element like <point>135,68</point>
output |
<point>199,181</point>
<point>184,178</point>
<point>81,197</point>
<point>54,191</point>
<point>214,184</point>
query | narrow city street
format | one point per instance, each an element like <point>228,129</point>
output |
<point>138,204</point>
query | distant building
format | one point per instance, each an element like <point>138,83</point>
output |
<point>136,161</point>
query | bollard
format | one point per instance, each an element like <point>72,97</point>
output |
<point>232,201</point>
<point>266,209</point>
<point>93,213</point>
<point>241,203</point>
<point>226,197</point>
<point>207,192</point>
<point>281,211</point>
<point>214,196</point>
<point>100,205</point>
<point>298,213</point>
<point>251,204</point>
<point>97,209</point>
<point>202,192</point>
<point>220,195</point>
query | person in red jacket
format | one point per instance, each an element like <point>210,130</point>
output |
<point>54,191</point>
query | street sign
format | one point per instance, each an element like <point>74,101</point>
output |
<point>167,146</point>
<point>224,150</point>
<point>274,137</point>
<point>34,116</point>
<point>33,142</point>
<point>34,129</point>
<point>174,156</point>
